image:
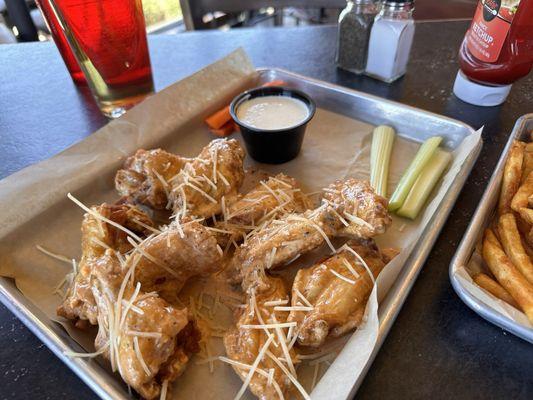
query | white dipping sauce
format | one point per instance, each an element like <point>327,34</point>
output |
<point>272,112</point>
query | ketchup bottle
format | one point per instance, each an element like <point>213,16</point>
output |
<point>497,50</point>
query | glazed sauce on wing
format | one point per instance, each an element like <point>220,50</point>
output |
<point>272,112</point>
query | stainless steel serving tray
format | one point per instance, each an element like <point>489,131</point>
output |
<point>410,122</point>
<point>481,219</point>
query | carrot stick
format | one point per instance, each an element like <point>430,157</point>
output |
<point>225,130</point>
<point>279,82</point>
<point>217,120</point>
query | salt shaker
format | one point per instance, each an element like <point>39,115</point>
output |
<point>355,23</point>
<point>390,40</point>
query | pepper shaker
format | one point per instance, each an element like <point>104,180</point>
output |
<point>355,23</point>
<point>390,40</point>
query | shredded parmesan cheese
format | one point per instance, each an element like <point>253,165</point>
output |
<point>270,376</point>
<point>350,281</point>
<point>317,227</point>
<point>223,178</point>
<point>304,299</point>
<point>86,355</point>
<point>290,376</point>
<point>275,303</point>
<point>253,368</point>
<point>208,197</point>
<point>269,189</point>
<point>348,248</point>
<point>350,268</point>
<point>357,220</point>
<point>102,218</point>
<point>164,389</point>
<point>283,340</point>
<point>54,255</point>
<point>152,335</point>
<point>140,356</point>
<point>293,308</point>
<point>269,326</point>
<point>146,226</point>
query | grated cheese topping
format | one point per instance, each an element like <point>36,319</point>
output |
<point>290,376</point>
<point>350,281</point>
<point>100,217</point>
<point>255,364</point>
<point>316,226</point>
<point>348,248</point>
<point>54,255</point>
<point>350,268</point>
<point>304,299</point>
<point>164,389</point>
<point>268,326</point>
<point>140,356</point>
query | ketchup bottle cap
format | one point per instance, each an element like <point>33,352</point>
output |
<point>478,94</point>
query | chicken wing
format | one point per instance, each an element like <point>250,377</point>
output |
<point>280,241</point>
<point>97,236</point>
<point>364,212</point>
<point>244,344</point>
<point>146,339</point>
<point>178,253</point>
<point>203,187</point>
<point>337,290</point>
<point>271,198</point>
<point>144,178</point>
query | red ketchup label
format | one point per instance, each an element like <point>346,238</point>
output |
<point>489,28</point>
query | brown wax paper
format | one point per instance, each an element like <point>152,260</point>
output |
<point>36,211</point>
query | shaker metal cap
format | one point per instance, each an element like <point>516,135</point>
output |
<point>398,2</point>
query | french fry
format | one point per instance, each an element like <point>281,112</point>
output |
<point>530,200</point>
<point>512,174</point>
<point>490,285</point>
<point>528,161</point>
<point>521,197</point>
<point>526,214</point>
<point>512,245</point>
<point>507,274</point>
<point>527,248</point>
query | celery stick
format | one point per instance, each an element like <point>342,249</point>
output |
<point>424,184</point>
<point>415,168</point>
<point>382,141</point>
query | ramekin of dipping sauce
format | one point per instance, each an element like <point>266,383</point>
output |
<point>272,121</point>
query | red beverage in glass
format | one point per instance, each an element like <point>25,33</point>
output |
<point>108,38</point>
<point>61,42</point>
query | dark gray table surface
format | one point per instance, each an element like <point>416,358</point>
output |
<point>437,348</point>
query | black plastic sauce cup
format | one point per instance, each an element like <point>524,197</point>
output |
<point>274,146</point>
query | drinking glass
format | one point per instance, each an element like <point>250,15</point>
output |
<point>61,42</point>
<point>108,38</point>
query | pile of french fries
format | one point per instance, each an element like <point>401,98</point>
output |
<point>507,246</point>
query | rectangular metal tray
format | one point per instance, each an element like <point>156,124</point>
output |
<point>410,122</point>
<point>481,219</point>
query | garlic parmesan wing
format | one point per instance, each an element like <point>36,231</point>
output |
<point>271,198</point>
<point>276,195</point>
<point>363,211</point>
<point>260,343</point>
<point>144,178</point>
<point>97,236</point>
<point>178,253</point>
<point>206,184</point>
<point>147,340</point>
<point>333,294</point>
<point>282,240</point>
